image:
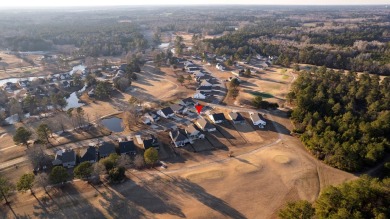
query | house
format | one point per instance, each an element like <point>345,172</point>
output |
<point>236,118</point>
<point>204,125</point>
<point>65,84</point>
<point>179,138</point>
<point>178,108</point>
<point>199,96</point>
<point>198,74</point>
<point>106,149</point>
<point>123,67</point>
<point>65,157</point>
<point>203,78</point>
<point>220,67</point>
<point>193,69</point>
<point>217,118</point>
<point>88,154</point>
<point>127,147</point>
<point>151,142</point>
<point>193,133</point>
<point>167,112</point>
<point>204,88</point>
<point>187,102</point>
<point>257,120</point>
<point>205,83</point>
<point>24,83</point>
<point>150,117</point>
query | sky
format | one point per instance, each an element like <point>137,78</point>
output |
<point>62,3</point>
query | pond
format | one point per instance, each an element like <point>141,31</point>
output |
<point>73,101</point>
<point>114,124</point>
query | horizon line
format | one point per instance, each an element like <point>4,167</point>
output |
<point>181,5</point>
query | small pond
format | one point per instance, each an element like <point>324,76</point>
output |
<point>114,124</point>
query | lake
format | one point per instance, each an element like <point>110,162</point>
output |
<point>114,124</point>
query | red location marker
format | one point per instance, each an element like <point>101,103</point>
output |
<point>198,108</point>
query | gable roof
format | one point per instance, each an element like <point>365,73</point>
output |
<point>204,88</point>
<point>106,149</point>
<point>236,116</point>
<point>126,147</point>
<point>204,124</point>
<point>255,117</point>
<point>188,100</point>
<point>88,154</point>
<point>177,135</point>
<point>176,107</point>
<point>66,155</point>
<point>151,142</point>
<point>218,117</point>
<point>191,130</point>
<point>167,111</point>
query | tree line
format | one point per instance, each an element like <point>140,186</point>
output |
<point>343,119</point>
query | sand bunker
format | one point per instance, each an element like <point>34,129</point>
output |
<point>282,159</point>
<point>211,174</point>
<point>247,168</point>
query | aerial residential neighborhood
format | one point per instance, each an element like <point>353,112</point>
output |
<point>194,109</point>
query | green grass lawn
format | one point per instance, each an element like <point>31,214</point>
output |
<point>262,94</point>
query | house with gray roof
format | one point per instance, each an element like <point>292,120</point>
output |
<point>105,149</point>
<point>65,157</point>
<point>179,137</point>
<point>88,154</point>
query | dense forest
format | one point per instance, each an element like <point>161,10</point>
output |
<point>88,33</point>
<point>344,118</point>
<point>362,198</point>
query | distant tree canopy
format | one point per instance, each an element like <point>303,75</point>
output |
<point>362,198</point>
<point>344,118</point>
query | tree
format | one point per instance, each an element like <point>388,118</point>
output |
<point>233,92</point>
<point>124,160</point>
<point>5,189</point>
<point>37,156</point>
<point>248,72</point>
<point>58,175</point>
<point>15,108</point>
<point>110,161</point>
<point>139,161</point>
<point>151,156</point>
<point>122,83</point>
<point>83,170</point>
<point>189,78</point>
<point>42,180</point>
<point>97,170</point>
<point>131,117</point>
<point>26,182</point>
<point>362,198</point>
<point>297,210</point>
<point>257,101</point>
<point>21,136</point>
<point>58,101</point>
<point>296,68</point>
<point>77,80</point>
<point>103,89</point>
<point>181,79</point>
<point>234,83</point>
<point>90,80</point>
<point>43,131</point>
<point>116,174</point>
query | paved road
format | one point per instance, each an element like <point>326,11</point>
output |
<point>13,162</point>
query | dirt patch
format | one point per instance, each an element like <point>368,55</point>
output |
<point>282,159</point>
<point>207,175</point>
